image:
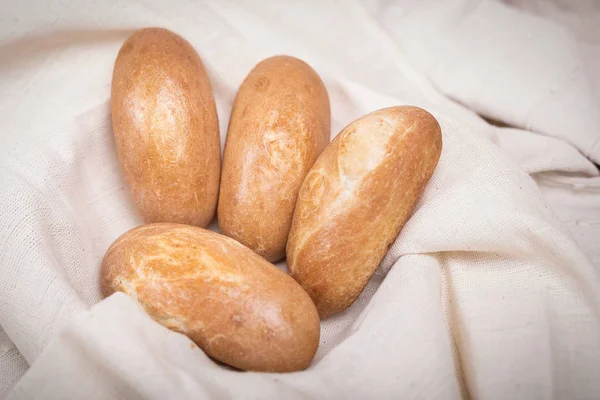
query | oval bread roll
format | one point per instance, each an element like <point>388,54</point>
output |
<point>166,129</point>
<point>237,307</point>
<point>355,200</point>
<point>279,125</point>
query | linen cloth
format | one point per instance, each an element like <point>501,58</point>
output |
<point>485,293</point>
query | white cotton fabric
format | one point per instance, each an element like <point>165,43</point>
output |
<point>492,289</point>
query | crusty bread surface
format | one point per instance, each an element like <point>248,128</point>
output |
<point>166,129</point>
<point>355,200</point>
<point>237,307</point>
<point>279,125</point>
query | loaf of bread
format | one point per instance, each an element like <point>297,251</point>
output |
<point>166,129</point>
<point>279,125</point>
<point>355,200</point>
<point>237,307</point>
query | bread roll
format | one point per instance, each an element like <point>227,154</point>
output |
<point>166,129</point>
<point>355,200</point>
<point>237,307</point>
<point>279,125</point>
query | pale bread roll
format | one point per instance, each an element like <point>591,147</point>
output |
<point>355,200</point>
<point>237,307</point>
<point>166,128</point>
<point>279,125</point>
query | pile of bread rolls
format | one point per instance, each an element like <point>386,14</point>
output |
<point>332,209</point>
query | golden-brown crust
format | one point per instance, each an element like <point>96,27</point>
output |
<point>355,200</point>
<point>166,128</point>
<point>279,125</point>
<point>237,307</point>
